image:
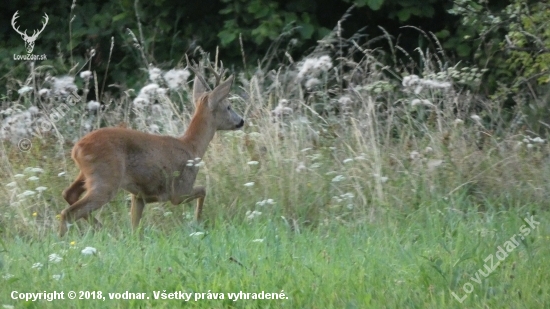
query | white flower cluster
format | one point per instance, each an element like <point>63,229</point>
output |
<point>314,66</point>
<point>62,86</point>
<point>281,109</point>
<point>252,214</point>
<point>147,95</point>
<point>413,81</point>
<point>343,198</point>
<point>268,201</point>
<point>176,78</point>
<point>16,126</point>
<point>85,75</point>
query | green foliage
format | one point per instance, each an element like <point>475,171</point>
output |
<point>261,22</point>
<point>513,42</point>
<point>528,40</point>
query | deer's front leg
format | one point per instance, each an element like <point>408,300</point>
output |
<point>198,193</point>
<point>136,210</point>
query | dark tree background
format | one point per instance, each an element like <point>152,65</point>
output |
<point>171,29</point>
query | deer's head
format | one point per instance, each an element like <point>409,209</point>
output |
<point>29,40</point>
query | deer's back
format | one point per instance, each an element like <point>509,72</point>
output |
<point>146,164</point>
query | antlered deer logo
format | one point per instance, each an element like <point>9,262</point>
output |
<point>29,40</point>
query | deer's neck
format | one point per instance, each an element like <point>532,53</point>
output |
<point>199,134</point>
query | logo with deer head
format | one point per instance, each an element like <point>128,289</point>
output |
<point>29,40</point>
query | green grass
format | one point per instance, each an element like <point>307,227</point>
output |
<point>412,261</point>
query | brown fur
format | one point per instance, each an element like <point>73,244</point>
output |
<point>152,168</point>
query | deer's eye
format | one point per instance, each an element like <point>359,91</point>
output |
<point>228,108</point>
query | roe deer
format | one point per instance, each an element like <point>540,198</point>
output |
<point>152,168</point>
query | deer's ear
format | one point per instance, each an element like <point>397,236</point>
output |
<point>219,93</point>
<point>198,89</point>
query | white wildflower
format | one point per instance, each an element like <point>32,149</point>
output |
<point>414,155</point>
<point>150,89</point>
<point>27,193</point>
<point>33,178</point>
<point>12,184</point>
<point>382,179</point>
<point>249,184</point>
<point>410,80</point>
<point>154,128</point>
<point>530,146</point>
<point>196,234</point>
<point>281,109</point>
<point>89,251</point>
<point>537,140</point>
<point>176,78</point>
<point>154,74</point>
<point>419,83</point>
<point>64,85</point>
<point>258,240</point>
<point>24,90</point>
<point>264,202</point>
<point>338,178</point>
<point>85,74</point>
<point>36,170</point>
<point>348,160</point>
<point>301,167</point>
<point>55,258</point>
<point>315,66</point>
<point>7,276</point>
<point>252,214</point>
<point>252,162</point>
<point>57,277</point>
<point>428,149</point>
<point>458,121</point>
<point>33,110</point>
<point>140,102</point>
<point>476,118</point>
<point>93,105</point>
<point>40,189</point>
<point>18,175</point>
<point>37,265</point>
<point>347,195</point>
<point>60,174</point>
<point>312,82</point>
<point>345,100</point>
<point>43,92</point>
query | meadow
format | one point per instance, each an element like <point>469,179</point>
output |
<point>352,185</point>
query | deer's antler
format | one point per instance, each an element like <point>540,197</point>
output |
<point>44,23</point>
<point>218,75</point>
<point>197,69</point>
<point>16,16</point>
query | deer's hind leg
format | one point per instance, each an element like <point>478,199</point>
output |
<point>75,190</point>
<point>73,193</point>
<point>101,186</point>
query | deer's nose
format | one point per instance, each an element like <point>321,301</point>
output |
<point>241,124</point>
